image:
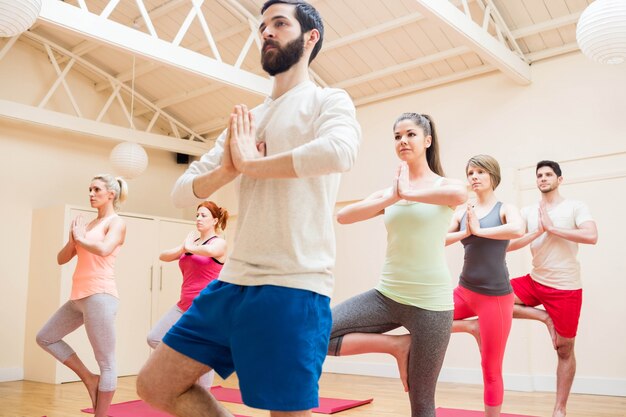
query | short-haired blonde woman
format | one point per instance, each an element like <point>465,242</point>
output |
<point>94,299</point>
<point>484,227</point>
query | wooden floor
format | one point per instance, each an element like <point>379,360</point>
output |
<point>33,399</point>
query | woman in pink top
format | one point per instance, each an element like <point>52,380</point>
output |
<point>93,301</point>
<point>200,259</point>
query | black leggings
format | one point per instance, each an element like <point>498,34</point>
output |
<point>372,312</point>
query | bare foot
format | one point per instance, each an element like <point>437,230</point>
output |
<point>401,354</point>
<point>474,330</point>
<point>552,331</point>
<point>92,388</point>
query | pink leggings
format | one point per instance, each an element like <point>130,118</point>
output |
<point>495,314</point>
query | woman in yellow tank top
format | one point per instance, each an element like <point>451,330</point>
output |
<point>415,289</point>
<point>94,300</point>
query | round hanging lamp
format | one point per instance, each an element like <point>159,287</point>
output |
<point>129,159</point>
<point>601,31</point>
<point>17,16</point>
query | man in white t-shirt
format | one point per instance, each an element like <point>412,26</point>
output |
<point>554,228</point>
<point>268,315</point>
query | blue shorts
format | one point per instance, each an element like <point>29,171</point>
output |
<point>275,338</point>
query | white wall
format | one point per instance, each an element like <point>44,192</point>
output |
<point>573,109</point>
<point>43,167</point>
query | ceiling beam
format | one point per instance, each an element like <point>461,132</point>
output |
<point>160,11</point>
<point>148,67</point>
<point>405,66</point>
<point>373,31</point>
<point>552,52</point>
<point>547,25</point>
<point>434,82</point>
<point>211,126</point>
<point>472,35</point>
<point>22,113</point>
<point>182,97</point>
<point>70,18</point>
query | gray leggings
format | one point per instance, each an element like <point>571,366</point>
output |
<point>372,312</point>
<point>97,312</point>
<point>161,327</point>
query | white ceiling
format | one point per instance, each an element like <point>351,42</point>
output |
<point>187,80</point>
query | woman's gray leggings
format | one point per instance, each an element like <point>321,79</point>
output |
<point>372,312</point>
<point>161,327</point>
<point>97,312</point>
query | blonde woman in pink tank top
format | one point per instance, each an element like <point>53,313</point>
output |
<point>93,300</point>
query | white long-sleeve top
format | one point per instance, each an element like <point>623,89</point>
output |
<point>285,234</point>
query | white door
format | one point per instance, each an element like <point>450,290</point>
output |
<point>167,283</point>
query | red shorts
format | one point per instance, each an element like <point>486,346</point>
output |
<point>563,306</point>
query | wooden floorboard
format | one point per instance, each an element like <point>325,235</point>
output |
<point>33,399</point>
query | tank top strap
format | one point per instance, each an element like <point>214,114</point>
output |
<point>209,239</point>
<point>438,182</point>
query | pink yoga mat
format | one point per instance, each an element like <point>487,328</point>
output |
<point>136,408</point>
<point>455,412</point>
<point>327,405</point>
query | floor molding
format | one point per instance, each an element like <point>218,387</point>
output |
<point>513,382</point>
<point>11,374</point>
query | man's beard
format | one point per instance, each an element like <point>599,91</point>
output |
<point>281,58</point>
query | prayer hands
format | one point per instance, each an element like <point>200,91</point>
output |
<point>190,241</point>
<point>79,228</point>
<point>472,223</point>
<point>243,146</point>
<point>402,182</point>
<point>545,222</point>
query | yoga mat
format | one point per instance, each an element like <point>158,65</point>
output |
<point>136,408</point>
<point>455,412</point>
<point>327,405</point>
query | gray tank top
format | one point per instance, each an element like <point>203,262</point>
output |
<point>484,268</point>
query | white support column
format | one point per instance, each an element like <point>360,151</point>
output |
<point>476,38</point>
<point>67,17</point>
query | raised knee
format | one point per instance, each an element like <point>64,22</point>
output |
<point>153,343</point>
<point>41,340</point>
<point>146,390</point>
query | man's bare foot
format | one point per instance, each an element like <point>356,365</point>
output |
<point>92,388</point>
<point>552,331</point>
<point>402,357</point>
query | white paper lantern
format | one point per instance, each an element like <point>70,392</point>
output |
<point>17,16</point>
<point>601,31</point>
<point>129,159</point>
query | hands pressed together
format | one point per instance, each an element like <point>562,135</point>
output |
<point>545,222</point>
<point>472,224</point>
<point>190,241</point>
<point>400,184</point>
<point>78,229</point>
<point>241,144</point>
